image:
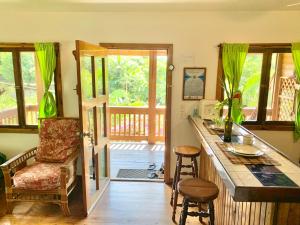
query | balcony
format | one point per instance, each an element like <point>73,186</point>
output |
<point>124,123</point>
<point>135,124</point>
<point>10,116</point>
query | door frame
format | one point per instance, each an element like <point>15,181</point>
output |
<point>169,49</point>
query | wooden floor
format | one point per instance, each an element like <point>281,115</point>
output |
<point>123,203</point>
<point>134,155</point>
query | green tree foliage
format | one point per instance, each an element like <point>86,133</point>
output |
<point>129,80</point>
<point>86,76</point>
<point>250,80</point>
<point>28,67</point>
<point>7,80</point>
<point>161,79</point>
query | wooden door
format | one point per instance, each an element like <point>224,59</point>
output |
<point>92,99</point>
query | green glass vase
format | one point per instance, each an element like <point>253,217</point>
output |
<point>227,129</point>
<point>228,123</point>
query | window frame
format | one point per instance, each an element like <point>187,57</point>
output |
<point>266,50</point>
<point>16,49</point>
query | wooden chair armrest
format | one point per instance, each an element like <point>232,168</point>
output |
<point>64,170</point>
<point>70,160</point>
<point>14,164</point>
<point>19,159</point>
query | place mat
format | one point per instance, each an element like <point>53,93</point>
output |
<point>207,124</point>
<point>235,159</point>
<point>271,176</point>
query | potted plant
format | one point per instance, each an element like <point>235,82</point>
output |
<point>233,58</point>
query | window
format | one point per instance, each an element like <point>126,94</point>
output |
<point>21,87</point>
<point>268,86</point>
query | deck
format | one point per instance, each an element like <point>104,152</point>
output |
<point>134,155</point>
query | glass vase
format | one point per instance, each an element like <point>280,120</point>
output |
<point>228,123</point>
<point>227,129</point>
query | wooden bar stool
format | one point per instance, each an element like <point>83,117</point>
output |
<point>197,191</point>
<point>183,152</point>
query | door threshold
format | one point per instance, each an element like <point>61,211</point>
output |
<point>137,180</point>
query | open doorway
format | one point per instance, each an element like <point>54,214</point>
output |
<point>139,115</point>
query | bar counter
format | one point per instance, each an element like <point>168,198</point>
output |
<point>245,198</point>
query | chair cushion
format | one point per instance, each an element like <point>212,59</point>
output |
<point>39,176</point>
<point>59,128</point>
<point>59,138</point>
<point>56,150</point>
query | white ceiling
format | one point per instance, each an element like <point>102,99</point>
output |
<point>169,5</point>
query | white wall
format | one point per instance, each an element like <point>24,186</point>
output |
<point>195,36</point>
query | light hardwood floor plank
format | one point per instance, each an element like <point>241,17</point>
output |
<point>123,203</point>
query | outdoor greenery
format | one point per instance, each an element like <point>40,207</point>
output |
<point>250,79</point>
<point>7,80</point>
<point>161,80</point>
<point>129,80</point>
<point>28,77</point>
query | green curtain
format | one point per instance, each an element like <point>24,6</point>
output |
<point>296,58</point>
<point>47,61</point>
<point>2,160</point>
<point>233,58</point>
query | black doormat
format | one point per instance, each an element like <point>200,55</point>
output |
<point>135,173</point>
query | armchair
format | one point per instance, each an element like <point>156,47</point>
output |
<point>46,173</point>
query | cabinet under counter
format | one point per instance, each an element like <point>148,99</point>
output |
<point>246,196</point>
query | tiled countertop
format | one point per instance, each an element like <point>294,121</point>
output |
<point>239,180</point>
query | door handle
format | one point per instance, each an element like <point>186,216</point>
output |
<point>89,135</point>
<point>76,89</point>
<point>86,134</point>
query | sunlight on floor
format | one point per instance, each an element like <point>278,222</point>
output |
<point>135,146</point>
<point>134,155</point>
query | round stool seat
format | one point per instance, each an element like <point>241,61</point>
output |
<point>187,151</point>
<point>198,190</point>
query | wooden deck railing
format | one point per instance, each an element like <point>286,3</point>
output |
<point>125,123</point>
<point>132,123</point>
<point>10,116</point>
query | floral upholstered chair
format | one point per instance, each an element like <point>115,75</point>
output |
<point>51,175</point>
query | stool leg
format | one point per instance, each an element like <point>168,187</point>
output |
<point>193,167</point>
<point>211,213</point>
<point>196,167</point>
<point>200,209</point>
<point>176,188</point>
<point>184,211</point>
<point>174,182</point>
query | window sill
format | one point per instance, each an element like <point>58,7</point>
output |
<point>274,127</point>
<point>31,130</point>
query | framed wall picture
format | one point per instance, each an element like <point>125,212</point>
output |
<point>194,83</point>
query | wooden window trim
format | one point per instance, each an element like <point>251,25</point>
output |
<point>267,49</point>
<point>16,48</point>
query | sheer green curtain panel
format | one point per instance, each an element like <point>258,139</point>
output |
<point>47,62</point>
<point>233,58</point>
